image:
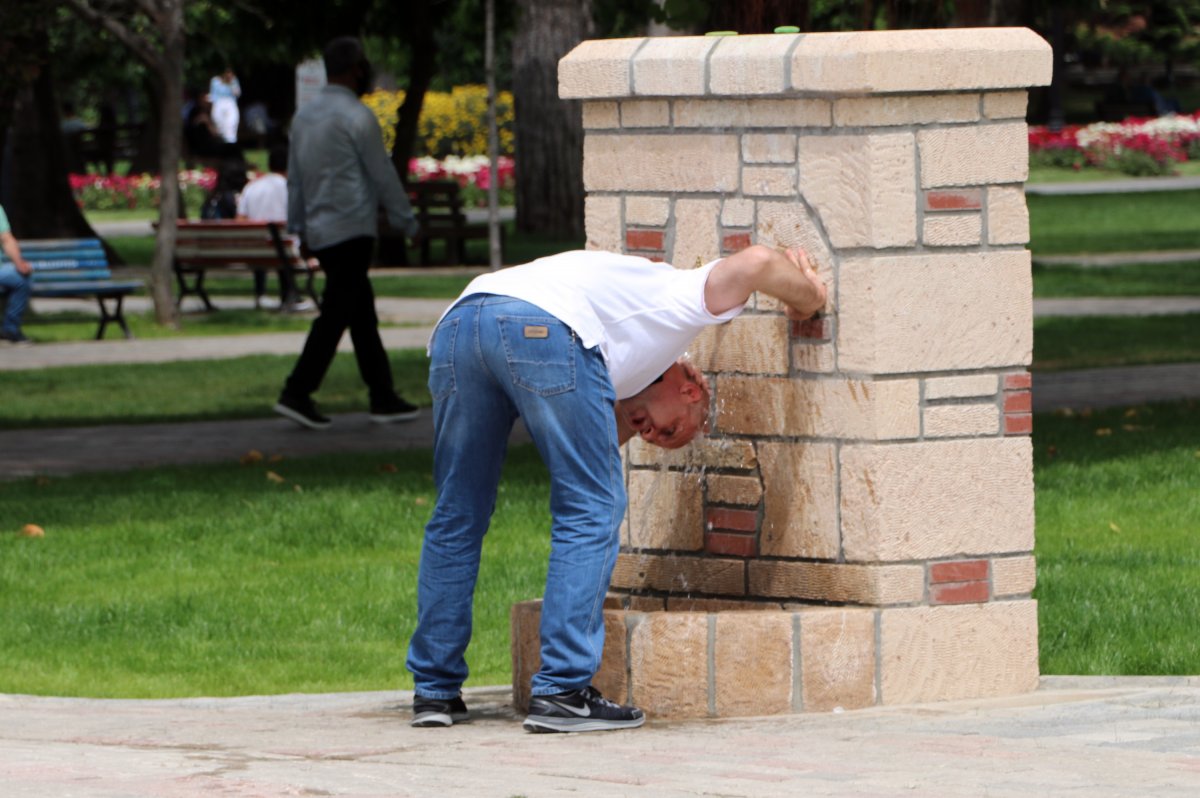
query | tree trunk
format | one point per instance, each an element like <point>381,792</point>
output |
<point>149,139</point>
<point>421,72</point>
<point>41,204</point>
<point>549,131</point>
<point>170,102</point>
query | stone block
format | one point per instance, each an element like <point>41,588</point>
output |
<point>961,387</point>
<point>769,148</point>
<point>769,181</point>
<point>686,162</point>
<point>974,155</point>
<point>1014,576</point>
<point>837,653</point>
<point>602,220</point>
<point>750,344</point>
<point>597,68</point>
<point>821,408</point>
<point>680,575</point>
<point>525,623</point>
<point>672,66</point>
<point>1005,104</point>
<point>955,652</point>
<point>799,500</point>
<point>740,113</point>
<point>813,359</point>
<point>791,224</point>
<point>952,421</point>
<point>903,61</point>
<point>936,499</point>
<point>612,679</point>
<point>601,115</point>
<point>647,211</point>
<point>688,604</point>
<point>668,664</point>
<point>863,188</point>
<point>733,489</point>
<point>737,212</point>
<point>934,312</point>
<point>952,230</point>
<point>645,113</point>
<point>697,232</point>
<point>1008,215</point>
<point>905,110</point>
<point>752,661</point>
<point>875,585</point>
<point>666,510</point>
<point>704,452</point>
<point>748,65</point>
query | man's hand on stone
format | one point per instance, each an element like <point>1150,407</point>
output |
<point>820,294</point>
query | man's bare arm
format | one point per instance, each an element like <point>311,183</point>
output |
<point>787,276</point>
<point>9,243</point>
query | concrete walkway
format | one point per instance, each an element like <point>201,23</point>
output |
<point>1095,737</point>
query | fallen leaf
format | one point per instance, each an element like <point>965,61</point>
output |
<point>1131,412</point>
<point>1051,451</point>
<point>1132,428</point>
<point>271,475</point>
<point>1103,432</point>
<point>275,458</point>
<point>251,457</point>
<point>420,501</point>
<point>1113,527</point>
<point>33,531</point>
<point>297,488</point>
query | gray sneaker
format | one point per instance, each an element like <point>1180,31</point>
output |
<point>579,711</point>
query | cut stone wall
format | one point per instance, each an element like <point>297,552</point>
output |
<point>858,526</point>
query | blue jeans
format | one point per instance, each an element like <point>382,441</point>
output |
<point>18,287</point>
<point>494,358</point>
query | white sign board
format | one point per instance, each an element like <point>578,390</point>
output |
<point>310,77</point>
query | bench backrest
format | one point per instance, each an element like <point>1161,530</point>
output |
<point>66,259</point>
<point>436,198</point>
<point>235,243</point>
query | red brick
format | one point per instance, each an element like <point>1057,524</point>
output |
<point>960,200</point>
<point>736,520</point>
<point>960,571</point>
<point>1018,402</point>
<point>959,593</point>
<point>1018,424</point>
<point>735,242</point>
<point>731,544</point>
<point>644,239</point>
<point>811,328</point>
<point>1018,381</point>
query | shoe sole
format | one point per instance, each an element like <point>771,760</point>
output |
<point>391,418</point>
<point>300,418</point>
<point>430,720</point>
<point>543,725</point>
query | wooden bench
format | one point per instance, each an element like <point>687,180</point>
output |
<point>78,269</point>
<point>236,245</point>
<point>438,206</point>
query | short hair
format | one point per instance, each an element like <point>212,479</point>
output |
<point>342,55</point>
<point>277,158</point>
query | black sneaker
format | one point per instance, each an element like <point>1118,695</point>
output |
<point>394,409</point>
<point>302,411</point>
<point>579,711</point>
<point>430,712</point>
<point>19,338</point>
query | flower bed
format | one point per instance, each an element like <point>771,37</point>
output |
<point>141,192</point>
<point>1136,146</point>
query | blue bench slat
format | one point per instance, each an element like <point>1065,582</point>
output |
<point>72,275</point>
<point>89,288</point>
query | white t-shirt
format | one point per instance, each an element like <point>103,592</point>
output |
<point>643,315</point>
<point>264,199</point>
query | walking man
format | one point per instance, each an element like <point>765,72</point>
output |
<point>16,280</point>
<point>338,175</point>
<point>584,348</point>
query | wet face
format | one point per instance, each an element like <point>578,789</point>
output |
<point>670,413</point>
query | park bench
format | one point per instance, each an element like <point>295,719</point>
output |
<point>438,205</point>
<point>236,245</point>
<point>78,269</point>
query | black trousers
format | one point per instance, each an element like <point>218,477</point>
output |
<point>348,302</point>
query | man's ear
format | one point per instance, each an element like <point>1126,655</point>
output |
<point>691,391</point>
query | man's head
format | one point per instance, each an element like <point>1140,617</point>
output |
<point>671,411</point>
<point>346,64</point>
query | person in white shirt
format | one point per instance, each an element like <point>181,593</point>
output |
<point>264,199</point>
<point>585,348</point>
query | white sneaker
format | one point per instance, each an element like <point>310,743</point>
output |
<point>266,303</point>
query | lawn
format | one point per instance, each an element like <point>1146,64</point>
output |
<point>1100,223</point>
<point>81,326</point>
<point>1131,280</point>
<point>1075,342</point>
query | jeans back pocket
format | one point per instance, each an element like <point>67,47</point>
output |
<point>540,351</point>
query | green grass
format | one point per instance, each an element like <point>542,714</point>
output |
<point>216,580</point>
<point>1118,510</point>
<point>1142,222</point>
<point>243,387</point>
<point>1132,280</point>
<point>79,326</point>
<point>1055,174</point>
<point>1106,341</point>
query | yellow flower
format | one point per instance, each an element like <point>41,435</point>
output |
<point>453,123</point>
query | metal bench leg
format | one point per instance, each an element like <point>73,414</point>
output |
<point>118,315</point>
